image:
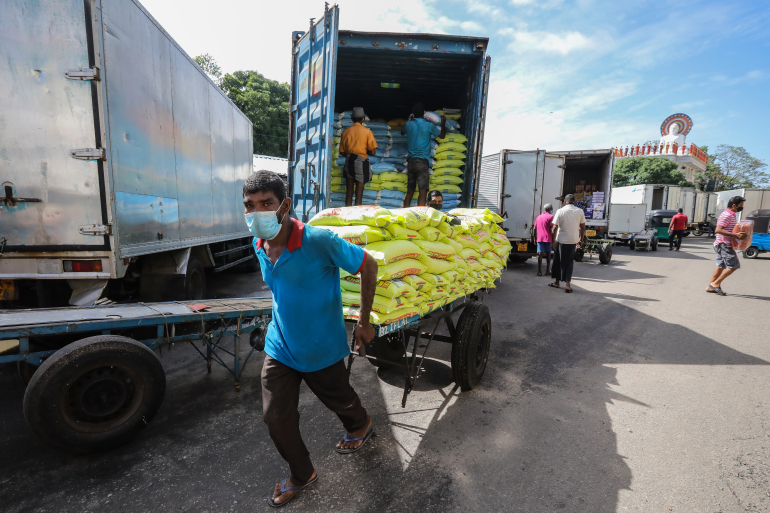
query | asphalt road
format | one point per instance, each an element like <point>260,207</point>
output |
<point>639,392</point>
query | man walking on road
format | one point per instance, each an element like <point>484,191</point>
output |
<point>306,339</point>
<point>544,238</point>
<point>569,228</point>
<point>676,230</point>
<point>418,139</point>
<point>356,145</point>
<point>727,258</point>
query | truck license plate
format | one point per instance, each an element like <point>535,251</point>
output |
<point>591,233</point>
<point>624,236</point>
<point>522,246</point>
<point>7,290</point>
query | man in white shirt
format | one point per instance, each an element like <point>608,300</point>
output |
<point>569,228</point>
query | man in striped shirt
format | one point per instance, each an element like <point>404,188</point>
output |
<point>727,258</point>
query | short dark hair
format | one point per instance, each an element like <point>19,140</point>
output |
<point>735,200</point>
<point>434,193</point>
<point>680,210</point>
<point>418,110</point>
<point>262,181</point>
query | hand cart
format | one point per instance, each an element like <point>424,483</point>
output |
<point>646,240</point>
<point>602,247</point>
<point>471,338</point>
<point>93,381</point>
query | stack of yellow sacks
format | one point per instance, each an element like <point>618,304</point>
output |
<point>447,176</point>
<point>424,261</point>
<point>338,181</point>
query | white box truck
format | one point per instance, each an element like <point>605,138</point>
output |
<point>627,221</point>
<point>517,185</point>
<point>704,209</point>
<point>755,199</point>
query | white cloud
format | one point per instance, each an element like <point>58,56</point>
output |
<point>562,43</point>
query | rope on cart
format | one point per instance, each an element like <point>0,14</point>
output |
<point>165,320</point>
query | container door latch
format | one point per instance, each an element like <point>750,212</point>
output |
<point>82,74</point>
<point>88,154</point>
<point>95,229</point>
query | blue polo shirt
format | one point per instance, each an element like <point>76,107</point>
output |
<point>307,332</point>
<point>418,135</point>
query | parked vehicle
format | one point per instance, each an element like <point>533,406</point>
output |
<point>756,199</point>
<point>627,221</point>
<point>659,221</point>
<point>760,239</point>
<point>704,212</point>
<point>507,181</point>
<point>336,70</point>
<point>122,161</point>
<point>655,196</point>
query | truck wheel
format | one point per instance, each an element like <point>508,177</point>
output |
<point>632,245</point>
<point>388,350</point>
<point>470,351</point>
<point>579,254</point>
<point>697,232</point>
<point>95,394</point>
<point>605,253</point>
<point>195,280</point>
<point>751,252</point>
<point>654,244</point>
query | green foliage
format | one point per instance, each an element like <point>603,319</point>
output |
<point>266,103</point>
<point>732,167</point>
<point>210,66</point>
<point>654,170</point>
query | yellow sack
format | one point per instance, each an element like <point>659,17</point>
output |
<point>438,266</point>
<point>483,236</point>
<point>431,234</point>
<point>439,294</point>
<point>477,212</point>
<point>337,180</point>
<point>440,164</point>
<point>390,176</point>
<point>372,186</point>
<point>338,188</point>
<point>393,186</point>
<point>418,283</point>
<point>447,171</point>
<point>503,252</point>
<point>458,138</point>
<point>429,306</point>
<point>412,219</point>
<point>453,189</point>
<point>435,216</point>
<point>451,276</point>
<point>461,263</point>
<point>380,304</point>
<point>436,281</point>
<point>389,251</point>
<point>483,247</point>
<point>359,234</point>
<point>352,313</point>
<point>369,215</point>
<point>336,171</point>
<point>399,232</point>
<point>475,265</point>
<point>473,224</point>
<point>450,155</point>
<point>502,239</point>
<point>470,254</point>
<point>436,249</point>
<point>389,288</point>
<point>468,240</point>
<point>488,263</point>
<point>376,179</point>
<point>400,269</point>
<point>450,146</point>
<point>336,139</point>
<point>450,240</point>
<point>445,180</point>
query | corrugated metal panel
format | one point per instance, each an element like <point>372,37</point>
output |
<point>489,183</point>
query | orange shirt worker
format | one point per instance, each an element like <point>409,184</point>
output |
<point>356,145</point>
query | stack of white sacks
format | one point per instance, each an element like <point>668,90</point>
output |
<point>389,183</point>
<point>424,261</point>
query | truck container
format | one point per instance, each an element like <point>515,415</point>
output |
<point>756,199</point>
<point>518,184</point>
<point>626,221</point>
<point>704,209</point>
<point>122,162</point>
<point>386,74</point>
<point>655,196</point>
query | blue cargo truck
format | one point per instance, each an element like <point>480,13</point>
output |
<point>335,70</point>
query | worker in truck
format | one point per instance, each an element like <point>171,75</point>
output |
<point>418,140</point>
<point>356,145</point>
<point>436,201</point>
<point>306,339</point>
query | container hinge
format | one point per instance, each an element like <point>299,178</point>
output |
<point>562,166</point>
<point>507,196</point>
<point>88,154</point>
<point>295,50</point>
<point>509,162</point>
<point>95,229</point>
<point>82,74</point>
<point>294,108</point>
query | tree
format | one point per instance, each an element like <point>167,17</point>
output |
<point>266,103</point>
<point>210,66</point>
<point>641,170</point>
<point>732,167</point>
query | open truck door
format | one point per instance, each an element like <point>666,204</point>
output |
<point>522,183</point>
<point>314,69</point>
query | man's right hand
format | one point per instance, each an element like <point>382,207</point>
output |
<point>740,235</point>
<point>443,118</point>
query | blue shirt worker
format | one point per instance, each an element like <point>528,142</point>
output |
<point>306,339</point>
<point>419,133</point>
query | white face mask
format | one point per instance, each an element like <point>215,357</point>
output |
<point>264,225</point>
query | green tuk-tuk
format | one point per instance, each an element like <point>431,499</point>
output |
<point>660,220</point>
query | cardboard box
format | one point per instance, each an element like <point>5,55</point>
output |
<point>598,214</point>
<point>579,196</point>
<point>579,188</point>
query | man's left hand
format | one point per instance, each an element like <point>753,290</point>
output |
<point>579,244</point>
<point>364,333</point>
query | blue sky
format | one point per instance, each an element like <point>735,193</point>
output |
<point>565,75</point>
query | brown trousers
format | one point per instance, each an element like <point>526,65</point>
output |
<point>280,400</point>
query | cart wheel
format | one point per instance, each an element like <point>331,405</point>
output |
<point>632,244</point>
<point>654,244</point>
<point>605,253</point>
<point>257,338</point>
<point>579,254</point>
<point>95,394</point>
<point>697,232</point>
<point>195,280</point>
<point>470,350</point>
<point>388,350</point>
<point>751,252</point>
